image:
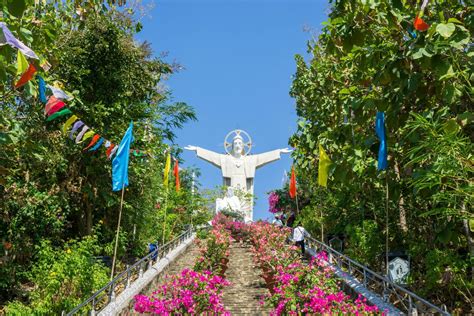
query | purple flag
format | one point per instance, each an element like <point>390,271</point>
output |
<point>11,40</point>
<point>75,127</point>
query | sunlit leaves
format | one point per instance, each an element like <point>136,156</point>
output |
<point>445,29</point>
<point>370,57</point>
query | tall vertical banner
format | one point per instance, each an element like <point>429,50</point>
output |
<point>293,183</point>
<point>380,131</point>
<point>323,167</point>
<point>120,180</point>
<point>382,165</point>
<point>167,170</point>
<point>176,175</point>
<point>120,162</point>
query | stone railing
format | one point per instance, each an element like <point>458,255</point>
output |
<point>377,289</point>
<point>129,282</point>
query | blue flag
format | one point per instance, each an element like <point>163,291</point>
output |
<point>380,130</point>
<point>120,162</point>
<point>42,89</point>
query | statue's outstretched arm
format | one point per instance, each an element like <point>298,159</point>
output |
<point>270,156</point>
<point>207,155</point>
<point>190,147</point>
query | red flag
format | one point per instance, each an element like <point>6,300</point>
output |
<point>109,150</point>
<point>420,25</point>
<point>176,175</point>
<point>52,101</point>
<point>293,183</point>
<point>56,107</point>
<point>26,76</point>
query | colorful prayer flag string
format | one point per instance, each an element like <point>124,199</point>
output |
<point>54,105</point>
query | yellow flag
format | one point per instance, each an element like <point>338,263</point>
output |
<point>22,63</point>
<point>167,170</point>
<point>68,123</point>
<point>323,167</point>
<point>87,135</point>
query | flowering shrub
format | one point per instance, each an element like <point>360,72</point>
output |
<point>280,201</point>
<point>269,246</point>
<point>297,288</point>
<point>313,289</point>
<point>237,229</point>
<point>273,199</point>
<point>188,293</point>
<point>197,291</point>
<point>214,250</point>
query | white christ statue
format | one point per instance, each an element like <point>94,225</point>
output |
<point>238,166</point>
<point>229,202</point>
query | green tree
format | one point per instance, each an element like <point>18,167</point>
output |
<point>368,58</point>
<point>51,191</point>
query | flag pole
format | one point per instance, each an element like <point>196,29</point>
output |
<point>117,234</point>
<point>164,220</point>
<point>386,221</point>
<point>322,219</point>
<point>166,185</point>
<point>297,207</point>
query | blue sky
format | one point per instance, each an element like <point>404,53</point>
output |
<point>238,57</point>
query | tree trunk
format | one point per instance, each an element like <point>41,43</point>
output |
<point>401,203</point>
<point>87,215</point>
<point>470,240</point>
<point>88,220</point>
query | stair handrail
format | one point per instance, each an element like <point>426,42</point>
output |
<point>110,290</point>
<point>389,287</point>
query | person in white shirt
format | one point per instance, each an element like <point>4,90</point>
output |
<point>299,233</point>
<point>277,221</point>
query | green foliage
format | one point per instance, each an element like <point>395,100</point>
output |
<point>445,270</point>
<point>366,242</point>
<point>50,190</point>
<point>63,277</point>
<point>368,58</point>
<point>442,160</point>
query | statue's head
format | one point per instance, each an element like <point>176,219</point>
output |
<point>238,144</point>
<point>230,192</point>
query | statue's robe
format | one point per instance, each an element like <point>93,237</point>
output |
<point>239,172</point>
<point>230,203</point>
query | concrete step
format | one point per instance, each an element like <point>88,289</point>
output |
<point>244,295</point>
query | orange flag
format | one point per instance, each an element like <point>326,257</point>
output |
<point>420,25</point>
<point>93,141</point>
<point>176,175</point>
<point>27,76</point>
<point>293,183</point>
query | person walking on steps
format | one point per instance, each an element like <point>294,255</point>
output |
<point>277,221</point>
<point>299,234</point>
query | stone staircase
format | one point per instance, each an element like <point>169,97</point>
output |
<point>243,296</point>
<point>186,260</point>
